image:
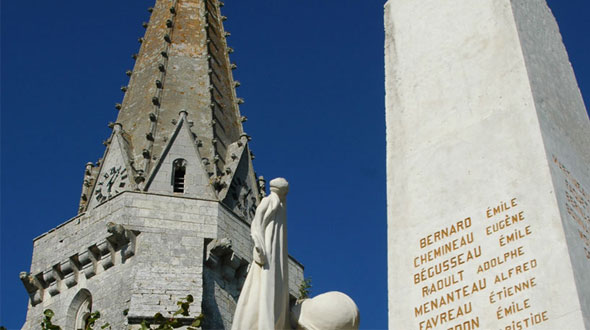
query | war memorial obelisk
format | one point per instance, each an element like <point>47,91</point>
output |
<point>488,169</point>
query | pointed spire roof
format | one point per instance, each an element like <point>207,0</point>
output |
<point>183,65</point>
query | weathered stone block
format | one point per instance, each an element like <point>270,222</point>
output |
<point>487,137</point>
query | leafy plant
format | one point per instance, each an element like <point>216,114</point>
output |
<point>169,323</point>
<point>305,288</point>
<point>92,320</point>
<point>162,322</point>
<point>46,323</point>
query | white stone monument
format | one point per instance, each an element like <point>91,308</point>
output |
<point>488,169</point>
<point>264,300</point>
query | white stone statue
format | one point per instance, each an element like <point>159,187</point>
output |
<point>329,311</point>
<point>264,300</point>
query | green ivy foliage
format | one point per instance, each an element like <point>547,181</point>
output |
<point>170,323</point>
<point>46,324</point>
<point>160,322</point>
<point>305,288</point>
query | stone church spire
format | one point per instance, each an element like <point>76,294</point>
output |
<point>166,211</point>
<point>180,103</point>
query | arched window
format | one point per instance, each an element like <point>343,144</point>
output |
<point>79,310</point>
<point>178,173</point>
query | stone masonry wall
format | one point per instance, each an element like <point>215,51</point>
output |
<point>110,294</point>
<point>223,281</point>
<point>173,238</point>
<point>196,180</point>
<point>164,261</point>
<point>167,263</point>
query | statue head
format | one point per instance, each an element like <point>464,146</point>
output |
<point>279,186</point>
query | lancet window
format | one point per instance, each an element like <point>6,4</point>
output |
<point>178,175</point>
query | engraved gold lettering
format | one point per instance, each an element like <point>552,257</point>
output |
<point>531,320</point>
<point>443,250</point>
<point>442,283</point>
<point>446,316</point>
<point>509,291</point>
<point>513,307</point>
<point>514,236</point>
<point>467,325</point>
<point>508,220</point>
<point>445,232</point>
<point>500,208</point>
<point>447,264</point>
<point>489,264</point>
<point>450,297</point>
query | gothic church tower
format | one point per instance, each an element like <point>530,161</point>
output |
<point>166,211</point>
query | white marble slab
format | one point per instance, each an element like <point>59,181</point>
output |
<point>479,235</point>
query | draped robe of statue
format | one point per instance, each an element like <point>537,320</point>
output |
<point>264,300</point>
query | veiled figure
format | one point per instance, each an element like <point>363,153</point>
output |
<point>264,300</point>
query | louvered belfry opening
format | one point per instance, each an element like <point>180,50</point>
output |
<point>178,174</point>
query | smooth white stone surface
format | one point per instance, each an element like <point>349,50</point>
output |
<point>328,311</point>
<point>264,300</point>
<point>471,125</point>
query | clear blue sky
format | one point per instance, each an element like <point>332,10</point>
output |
<point>312,77</point>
